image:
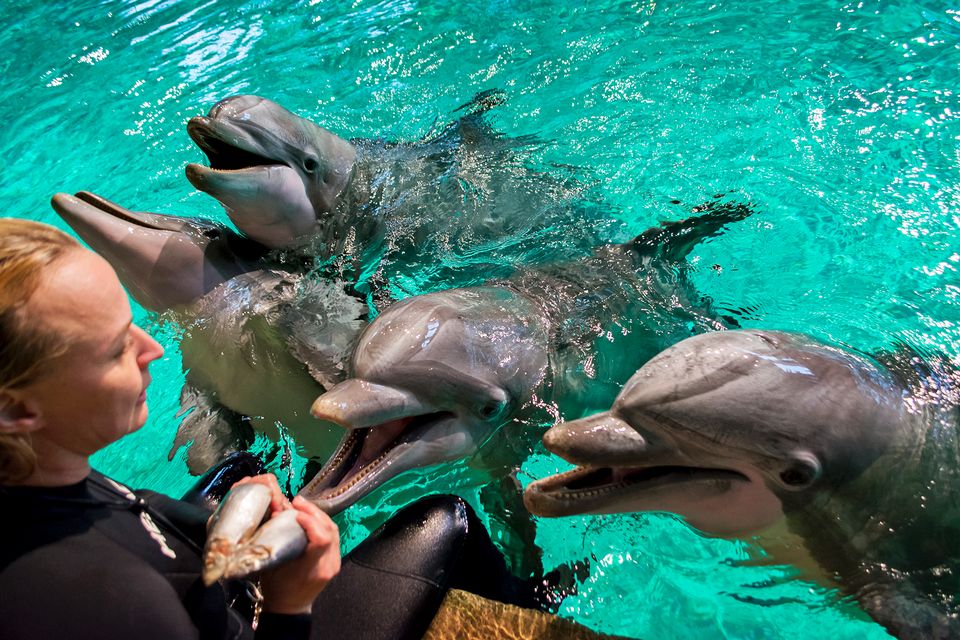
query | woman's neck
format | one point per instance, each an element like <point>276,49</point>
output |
<point>56,466</point>
<point>56,477</point>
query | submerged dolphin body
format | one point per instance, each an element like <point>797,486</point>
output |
<point>436,376</point>
<point>743,431</point>
<point>258,340</point>
<point>291,184</point>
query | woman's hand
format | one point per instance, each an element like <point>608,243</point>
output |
<point>292,587</point>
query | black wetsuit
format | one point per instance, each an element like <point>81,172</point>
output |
<point>78,562</point>
<point>82,562</point>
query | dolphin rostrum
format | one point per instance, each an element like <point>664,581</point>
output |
<point>744,432</point>
<point>259,339</point>
<point>436,376</point>
<point>291,184</point>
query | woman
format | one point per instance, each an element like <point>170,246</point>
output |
<point>81,555</point>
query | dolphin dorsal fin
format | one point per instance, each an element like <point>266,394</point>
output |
<point>471,124</point>
<point>672,241</point>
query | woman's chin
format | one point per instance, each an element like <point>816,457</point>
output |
<point>140,416</point>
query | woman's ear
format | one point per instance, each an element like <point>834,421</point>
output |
<point>18,413</point>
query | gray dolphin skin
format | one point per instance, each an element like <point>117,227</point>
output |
<point>281,178</point>
<point>746,432</point>
<point>163,261</point>
<point>291,184</point>
<point>436,376</point>
<point>259,342</point>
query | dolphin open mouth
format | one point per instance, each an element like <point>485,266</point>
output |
<point>226,148</point>
<point>365,452</point>
<point>591,489</point>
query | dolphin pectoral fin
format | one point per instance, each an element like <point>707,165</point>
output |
<point>209,429</point>
<point>484,101</point>
<point>513,526</point>
<point>672,241</point>
<point>905,612</point>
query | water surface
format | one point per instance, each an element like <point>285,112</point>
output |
<point>838,121</point>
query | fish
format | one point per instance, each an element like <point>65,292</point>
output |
<point>238,545</point>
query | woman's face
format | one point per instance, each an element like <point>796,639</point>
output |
<point>95,393</point>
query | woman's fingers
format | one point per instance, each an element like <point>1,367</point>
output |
<point>278,501</point>
<point>320,529</point>
<point>292,587</point>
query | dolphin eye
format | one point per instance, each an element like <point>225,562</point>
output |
<point>492,410</point>
<point>213,234</point>
<point>795,476</point>
<point>311,164</point>
<point>803,471</point>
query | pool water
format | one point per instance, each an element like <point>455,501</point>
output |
<point>837,121</point>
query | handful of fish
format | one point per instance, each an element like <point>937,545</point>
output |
<point>237,545</point>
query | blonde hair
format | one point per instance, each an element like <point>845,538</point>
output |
<point>27,249</point>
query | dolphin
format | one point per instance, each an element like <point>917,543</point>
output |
<point>288,183</point>
<point>436,376</point>
<point>163,261</point>
<point>259,339</point>
<point>281,178</point>
<point>745,433</point>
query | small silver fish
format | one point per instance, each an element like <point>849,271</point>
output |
<point>236,547</point>
<point>235,520</point>
<point>280,539</point>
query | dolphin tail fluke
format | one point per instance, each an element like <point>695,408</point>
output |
<point>673,241</point>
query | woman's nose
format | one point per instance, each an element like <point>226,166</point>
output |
<point>150,349</point>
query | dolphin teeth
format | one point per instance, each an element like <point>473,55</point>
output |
<point>338,469</point>
<point>364,471</point>
<point>589,482</point>
<point>348,448</point>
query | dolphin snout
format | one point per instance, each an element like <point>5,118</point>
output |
<point>357,404</point>
<point>600,439</point>
<point>234,106</point>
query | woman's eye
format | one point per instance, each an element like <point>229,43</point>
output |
<point>126,347</point>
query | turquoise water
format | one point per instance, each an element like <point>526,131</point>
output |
<point>838,121</point>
